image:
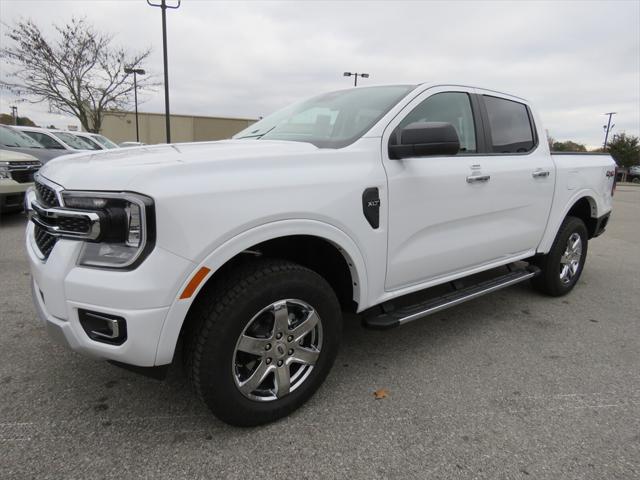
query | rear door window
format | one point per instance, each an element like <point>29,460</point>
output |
<point>510,124</point>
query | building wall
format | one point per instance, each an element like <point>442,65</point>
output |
<point>121,127</point>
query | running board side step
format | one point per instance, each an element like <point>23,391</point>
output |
<point>395,318</point>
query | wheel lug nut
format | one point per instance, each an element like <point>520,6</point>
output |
<point>268,361</point>
<point>278,336</point>
<point>290,338</point>
<point>291,351</point>
<point>267,346</point>
<point>279,363</point>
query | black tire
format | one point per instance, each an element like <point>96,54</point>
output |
<point>549,281</point>
<point>220,317</point>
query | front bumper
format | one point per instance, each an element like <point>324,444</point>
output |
<point>141,296</point>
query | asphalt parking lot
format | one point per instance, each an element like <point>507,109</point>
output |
<point>512,385</point>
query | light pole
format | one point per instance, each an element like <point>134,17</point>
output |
<point>355,76</point>
<point>608,128</point>
<point>163,5</point>
<point>135,71</point>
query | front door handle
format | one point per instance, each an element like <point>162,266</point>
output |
<point>540,174</point>
<point>478,178</point>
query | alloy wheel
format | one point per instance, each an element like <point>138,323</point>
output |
<point>570,260</point>
<point>277,350</point>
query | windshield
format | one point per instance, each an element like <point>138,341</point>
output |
<point>14,138</point>
<point>104,141</point>
<point>89,143</point>
<point>71,140</point>
<point>332,120</point>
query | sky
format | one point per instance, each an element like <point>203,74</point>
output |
<point>574,60</point>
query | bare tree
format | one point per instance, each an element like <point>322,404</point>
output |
<point>79,72</point>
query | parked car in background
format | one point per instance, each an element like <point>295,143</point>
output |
<point>91,143</point>
<point>15,140</point>
<point>634,174</point>
<point>131,144</point>
<point>16,176</point>
<point>55,139</point>
<point>102,140</point>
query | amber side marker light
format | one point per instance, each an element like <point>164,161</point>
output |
<point>195,281</point>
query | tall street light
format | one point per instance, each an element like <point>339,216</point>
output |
<point>135,71</point>
<point>163,5</point>
<point>355,76</point>
<point>608,128</point>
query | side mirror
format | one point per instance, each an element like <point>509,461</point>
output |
<point>420,139</point>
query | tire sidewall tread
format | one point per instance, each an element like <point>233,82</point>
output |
<point>221,315</point>
<point>548,281</point>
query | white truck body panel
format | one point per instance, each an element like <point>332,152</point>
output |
<point>214,200</point>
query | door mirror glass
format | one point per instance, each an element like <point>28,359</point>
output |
<point>421,139</point>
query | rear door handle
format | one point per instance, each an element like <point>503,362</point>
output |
<point>478,178</point>
<point>540,174</point>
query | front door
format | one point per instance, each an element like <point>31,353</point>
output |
<point>449,214</point>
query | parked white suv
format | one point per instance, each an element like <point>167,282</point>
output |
<point>55,139</point>
<point>248,250</point>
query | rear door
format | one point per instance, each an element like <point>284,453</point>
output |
<point>451,214</point>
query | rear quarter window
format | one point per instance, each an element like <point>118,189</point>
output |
<point>510,124</point>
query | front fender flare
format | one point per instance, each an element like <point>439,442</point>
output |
<point>245,240</point>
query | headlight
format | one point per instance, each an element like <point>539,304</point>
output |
<point>4,170</point>
<point>127,227</point>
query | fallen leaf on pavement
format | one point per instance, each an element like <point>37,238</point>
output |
<point>380,394</point>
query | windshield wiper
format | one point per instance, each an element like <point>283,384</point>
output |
<point>257,135</point>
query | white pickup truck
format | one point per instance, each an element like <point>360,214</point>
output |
<point>247,251</point>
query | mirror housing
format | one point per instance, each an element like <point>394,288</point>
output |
<point>421,139</point>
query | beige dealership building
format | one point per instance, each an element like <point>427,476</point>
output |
<point>121,127</point>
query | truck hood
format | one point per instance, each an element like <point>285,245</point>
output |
<point>118,169</point>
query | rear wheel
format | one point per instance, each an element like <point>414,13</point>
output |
<point>263,342</point>
<point>562,266</point>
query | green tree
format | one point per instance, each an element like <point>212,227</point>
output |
<point>78,71</point>
<point>625,149</point>
<point>7,119</point>
<point>568,146</point>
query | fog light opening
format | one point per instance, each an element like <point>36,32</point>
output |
<point>103,327</point>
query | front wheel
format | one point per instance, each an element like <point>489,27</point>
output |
<point>562,266</point>
<point>263,341</point>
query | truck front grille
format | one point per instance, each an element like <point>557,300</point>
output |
<point>44,241</point>
<point>73,224</point>
<point>23,176</point>
<point>47,197</point>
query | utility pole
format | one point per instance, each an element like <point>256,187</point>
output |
<point>135,71</point>
<point>355,76</point>
<point>163,5</point>
<point>608,128</point>
<point>14,114</point>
